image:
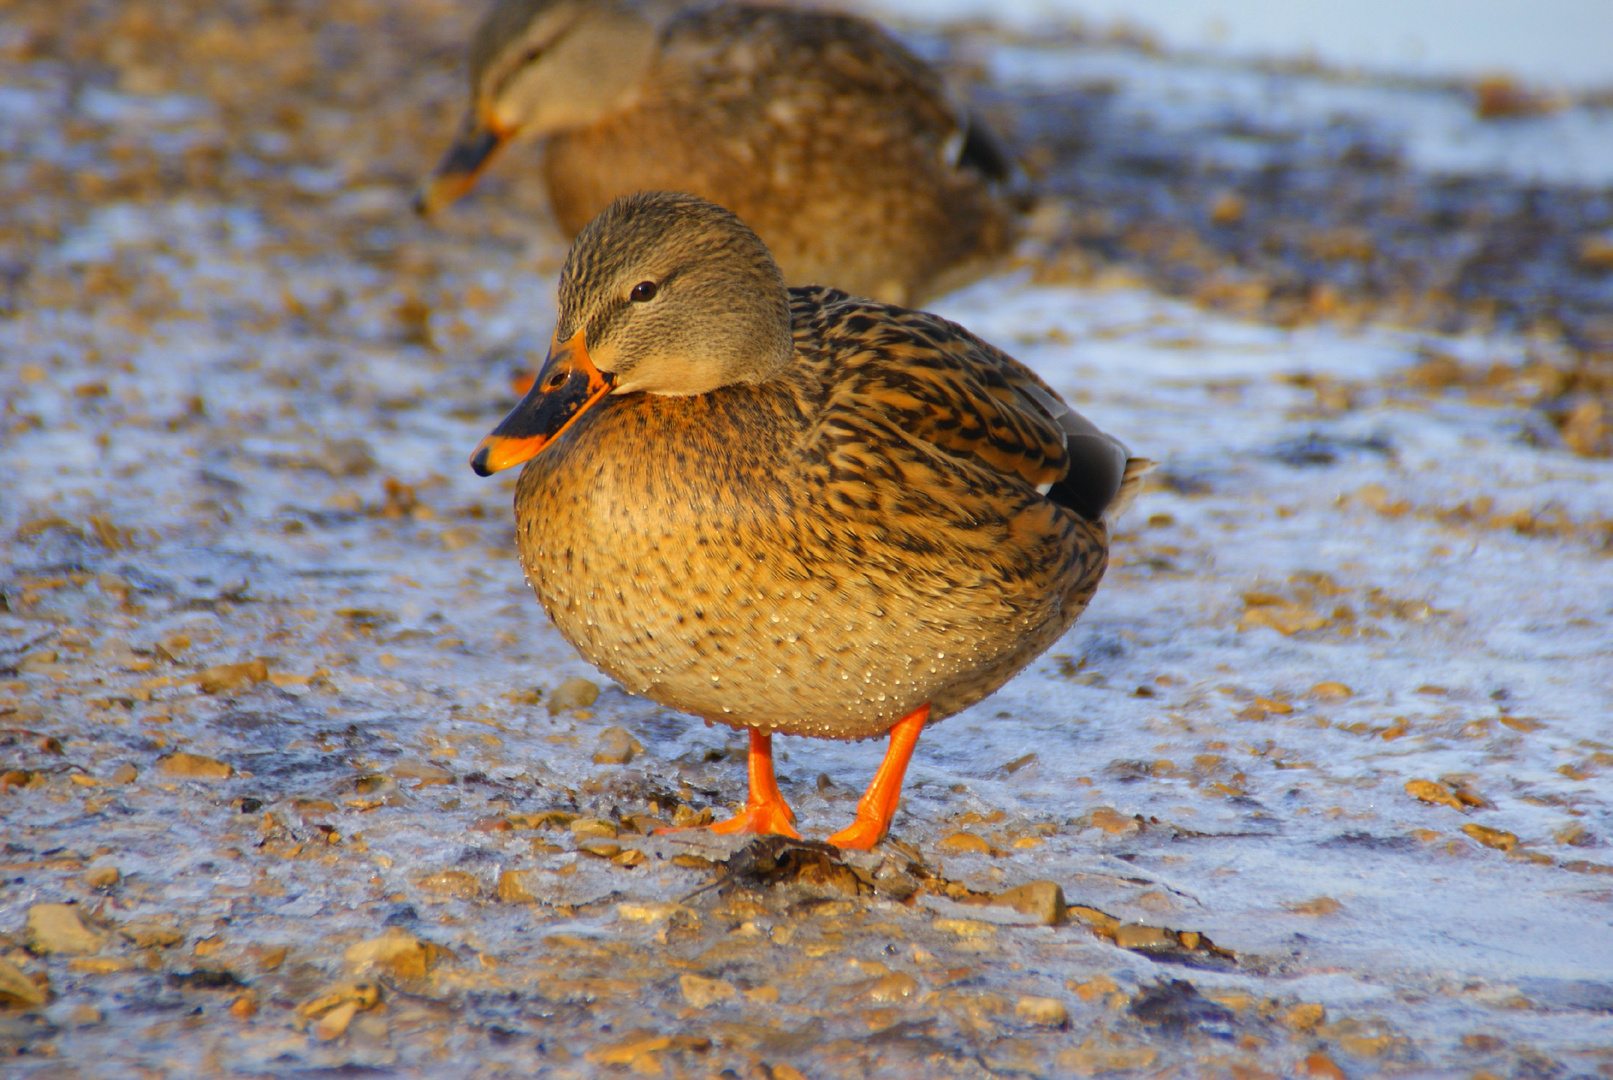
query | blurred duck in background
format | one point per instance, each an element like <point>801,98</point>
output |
<point>826,136</point>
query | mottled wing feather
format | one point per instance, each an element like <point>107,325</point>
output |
<point>933,381</point>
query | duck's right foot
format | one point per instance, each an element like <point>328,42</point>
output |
<point>766,812</point>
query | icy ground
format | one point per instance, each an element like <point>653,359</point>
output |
<point>1342,704</point>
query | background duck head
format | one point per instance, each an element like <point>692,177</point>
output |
<point>537,67</point>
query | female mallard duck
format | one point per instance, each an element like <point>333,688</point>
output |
<point>794,510</point>
<point>832,141</point>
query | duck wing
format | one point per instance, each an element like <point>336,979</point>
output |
<point>912,378</point>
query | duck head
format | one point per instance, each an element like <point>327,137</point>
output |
<point>536,67</point>
<point>661,294</point>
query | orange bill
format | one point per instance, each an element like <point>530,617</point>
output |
<point>568,386</point>
<point>456,174</point>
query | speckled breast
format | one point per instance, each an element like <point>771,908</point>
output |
<point>692,568</point>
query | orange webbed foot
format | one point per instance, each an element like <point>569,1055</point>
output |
<point>860,835</point>
<point>765,819</point>
<point>766,812</point>
<point>522,383</point>
<point>878,804</point>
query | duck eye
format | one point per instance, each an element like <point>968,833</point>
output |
<point>643,292</point>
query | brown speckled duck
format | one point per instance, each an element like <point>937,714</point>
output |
<point>827,137</point>
<point>793,510</point>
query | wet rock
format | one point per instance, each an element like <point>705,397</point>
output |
<point>57,928</point>
<point>1137,936</point>
<point>700,992</point>
<point>1097,1056</point>
<point>346,457</point>
<point>194,767</point>
<point>396,952</point>
<point>573,694</point>
<point>203,979</point>
<point>1042,900</point>
<point>1331,691</point>
<point>1042,1011</point>
<point>426,774</point>
<point>17,989</point>
<point>960,843</point>
<point>1304,1018</point>
<point>152,935</point>
<point>890,989</point>
<point>1429,792</point>
<point>1320,905</point>
<point>222,677</point>
<point>515,887</point>
<point>1495,838</point>
<point>616,746</point>
<point>965,928</point>
<point>894,881</point>
<point>593,828</point>
<point>1112,823</point>
<point>1176,1006</point>
<point>450,883</point>
<point>101,877</point>
<point>1320,1065</point>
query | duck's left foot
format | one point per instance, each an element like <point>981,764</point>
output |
<point>878,804</point>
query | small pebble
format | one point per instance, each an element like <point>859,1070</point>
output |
<point>616,747</point>
<point>57,928</point>
<point>700,992</point>
<point>573,694</point>
<point>1042,1011</point>
<point>195,767</point>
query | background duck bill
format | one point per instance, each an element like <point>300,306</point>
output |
<point>459,168</point>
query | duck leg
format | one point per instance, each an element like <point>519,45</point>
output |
<point>765,810</point>
<point>878,804</point>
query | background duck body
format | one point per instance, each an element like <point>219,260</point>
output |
<point>832,141</point>
<point>827,551</point>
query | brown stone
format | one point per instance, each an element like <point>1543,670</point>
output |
<point>892,988</point>
<point>450,883</point>
<point>101,877</point>
<point>195,767</point>
<point>1319,1064</point>
<point>1495,838</point>
<point>1305,1018</point>
<point>1429,792</point>
<point>1101,921</point>
<point>514,887</point>
<point>396,951</point>
<point>700,992</point>
<point>1042,1011</point>
<point>1331,691</point>
<point>17,988</point>
<point>1138,936</point>
<point>1043,900</point>
<point>961,843</point>
<point>1320,905</point>
<point>573,694</point>
<point>616,747</point>
<point>222,677</point>
<point>593,828</point>
<point>57,928</point>
<point>152,935</point>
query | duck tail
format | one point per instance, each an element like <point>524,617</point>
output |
<point>1131,482</point>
